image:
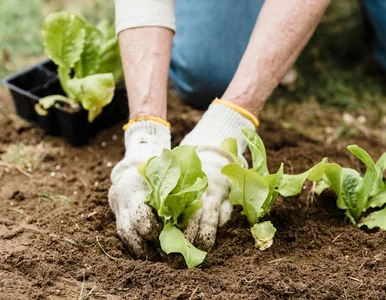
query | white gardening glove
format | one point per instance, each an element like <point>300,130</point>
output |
<point>136,223</point>
<point>222,120</point>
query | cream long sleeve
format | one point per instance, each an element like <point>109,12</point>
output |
<point>144,13</point>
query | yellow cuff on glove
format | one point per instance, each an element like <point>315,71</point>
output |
<point>235,107</point>
<point>155,119</point>
<point>239,109</point>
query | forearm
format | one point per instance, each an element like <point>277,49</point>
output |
<point>282,30</point>
<point>145,55</point>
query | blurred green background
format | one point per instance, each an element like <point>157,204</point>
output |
<point>335,69</point>
<point>21,42</point>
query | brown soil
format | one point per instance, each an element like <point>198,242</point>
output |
<point>49,249</point>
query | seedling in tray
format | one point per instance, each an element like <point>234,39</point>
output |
<point>88,63</point>
<point>72,96</point>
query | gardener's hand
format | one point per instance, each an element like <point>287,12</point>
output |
<point>136,223</point>
<point>221,121</point>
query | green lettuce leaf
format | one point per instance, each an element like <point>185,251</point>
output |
<point>380,166</point>
<point>64,38</point>
<point>257,148</point>
<point>107,30</point>
<point>89,60</point>
<point>190,165</point>
<point>90,53</point>
<point>249,189</point>
<point>378,200</point>
<point>188,213</point>
<point>291,185</point>
<point>176,183</point>
<point>351,185</point>
<point>376,219</point>
<point>256,190</point>
<point>49,101</point>
<point>175,205</point>
<point>381,163</point>
<point>110,59</point>
<point>162,174</point>
<point>321,186</point>
<point>64,77</point>
<point>93,92</point>
<point>263,233</point>
<point>173,241</point>
<point>355,193</point>
<point>273,181</point>
<point>230,146</point>
<point>194,191</point>
<point>369,180</point>
<point>346,183</point>
<point>190,186</point>
<point>141,168</point>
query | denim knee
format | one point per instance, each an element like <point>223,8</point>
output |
<point>197,82</point>
<point>375,11</point>
<point>208,45</point>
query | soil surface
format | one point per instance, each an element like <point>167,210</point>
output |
<point>51,249</point>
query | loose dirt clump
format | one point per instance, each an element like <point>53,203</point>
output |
<point>58,238</point>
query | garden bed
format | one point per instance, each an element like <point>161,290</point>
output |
<point>50,249</point>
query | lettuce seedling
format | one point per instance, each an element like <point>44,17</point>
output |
<point>88,61</point>
<point>176,183</point>
<point>256,189</point>
<point>357,194</point>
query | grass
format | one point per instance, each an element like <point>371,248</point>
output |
<point>86,296</point>
<point>54,198</point>
<point>28,157</point>
<point>104,251</point>
<point>23,156</point>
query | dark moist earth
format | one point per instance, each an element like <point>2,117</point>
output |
<point>49,248</point>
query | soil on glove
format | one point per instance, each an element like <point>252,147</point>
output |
<point>51,249</point>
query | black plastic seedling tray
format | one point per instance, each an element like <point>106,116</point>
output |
<point>29,85</point>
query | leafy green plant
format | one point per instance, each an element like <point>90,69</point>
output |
<point>52,197</point>
<point>176,183</point>
<point>27,157</point>
<point>88,61</point>
<point>357,194</point>
<point>256,189</point>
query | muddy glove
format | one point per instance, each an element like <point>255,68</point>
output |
<point>222,120</point>
<point>136,223</point>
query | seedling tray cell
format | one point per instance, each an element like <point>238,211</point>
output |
<point>38,81</point>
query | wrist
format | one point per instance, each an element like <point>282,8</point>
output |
<point>143,114</point>
<point>252,106</point>
<point>149,105</point>
<point>246,90</point>
<point>245,97</point>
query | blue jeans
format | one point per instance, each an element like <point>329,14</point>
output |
<point>210,39</point>
<point>376,14</point>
